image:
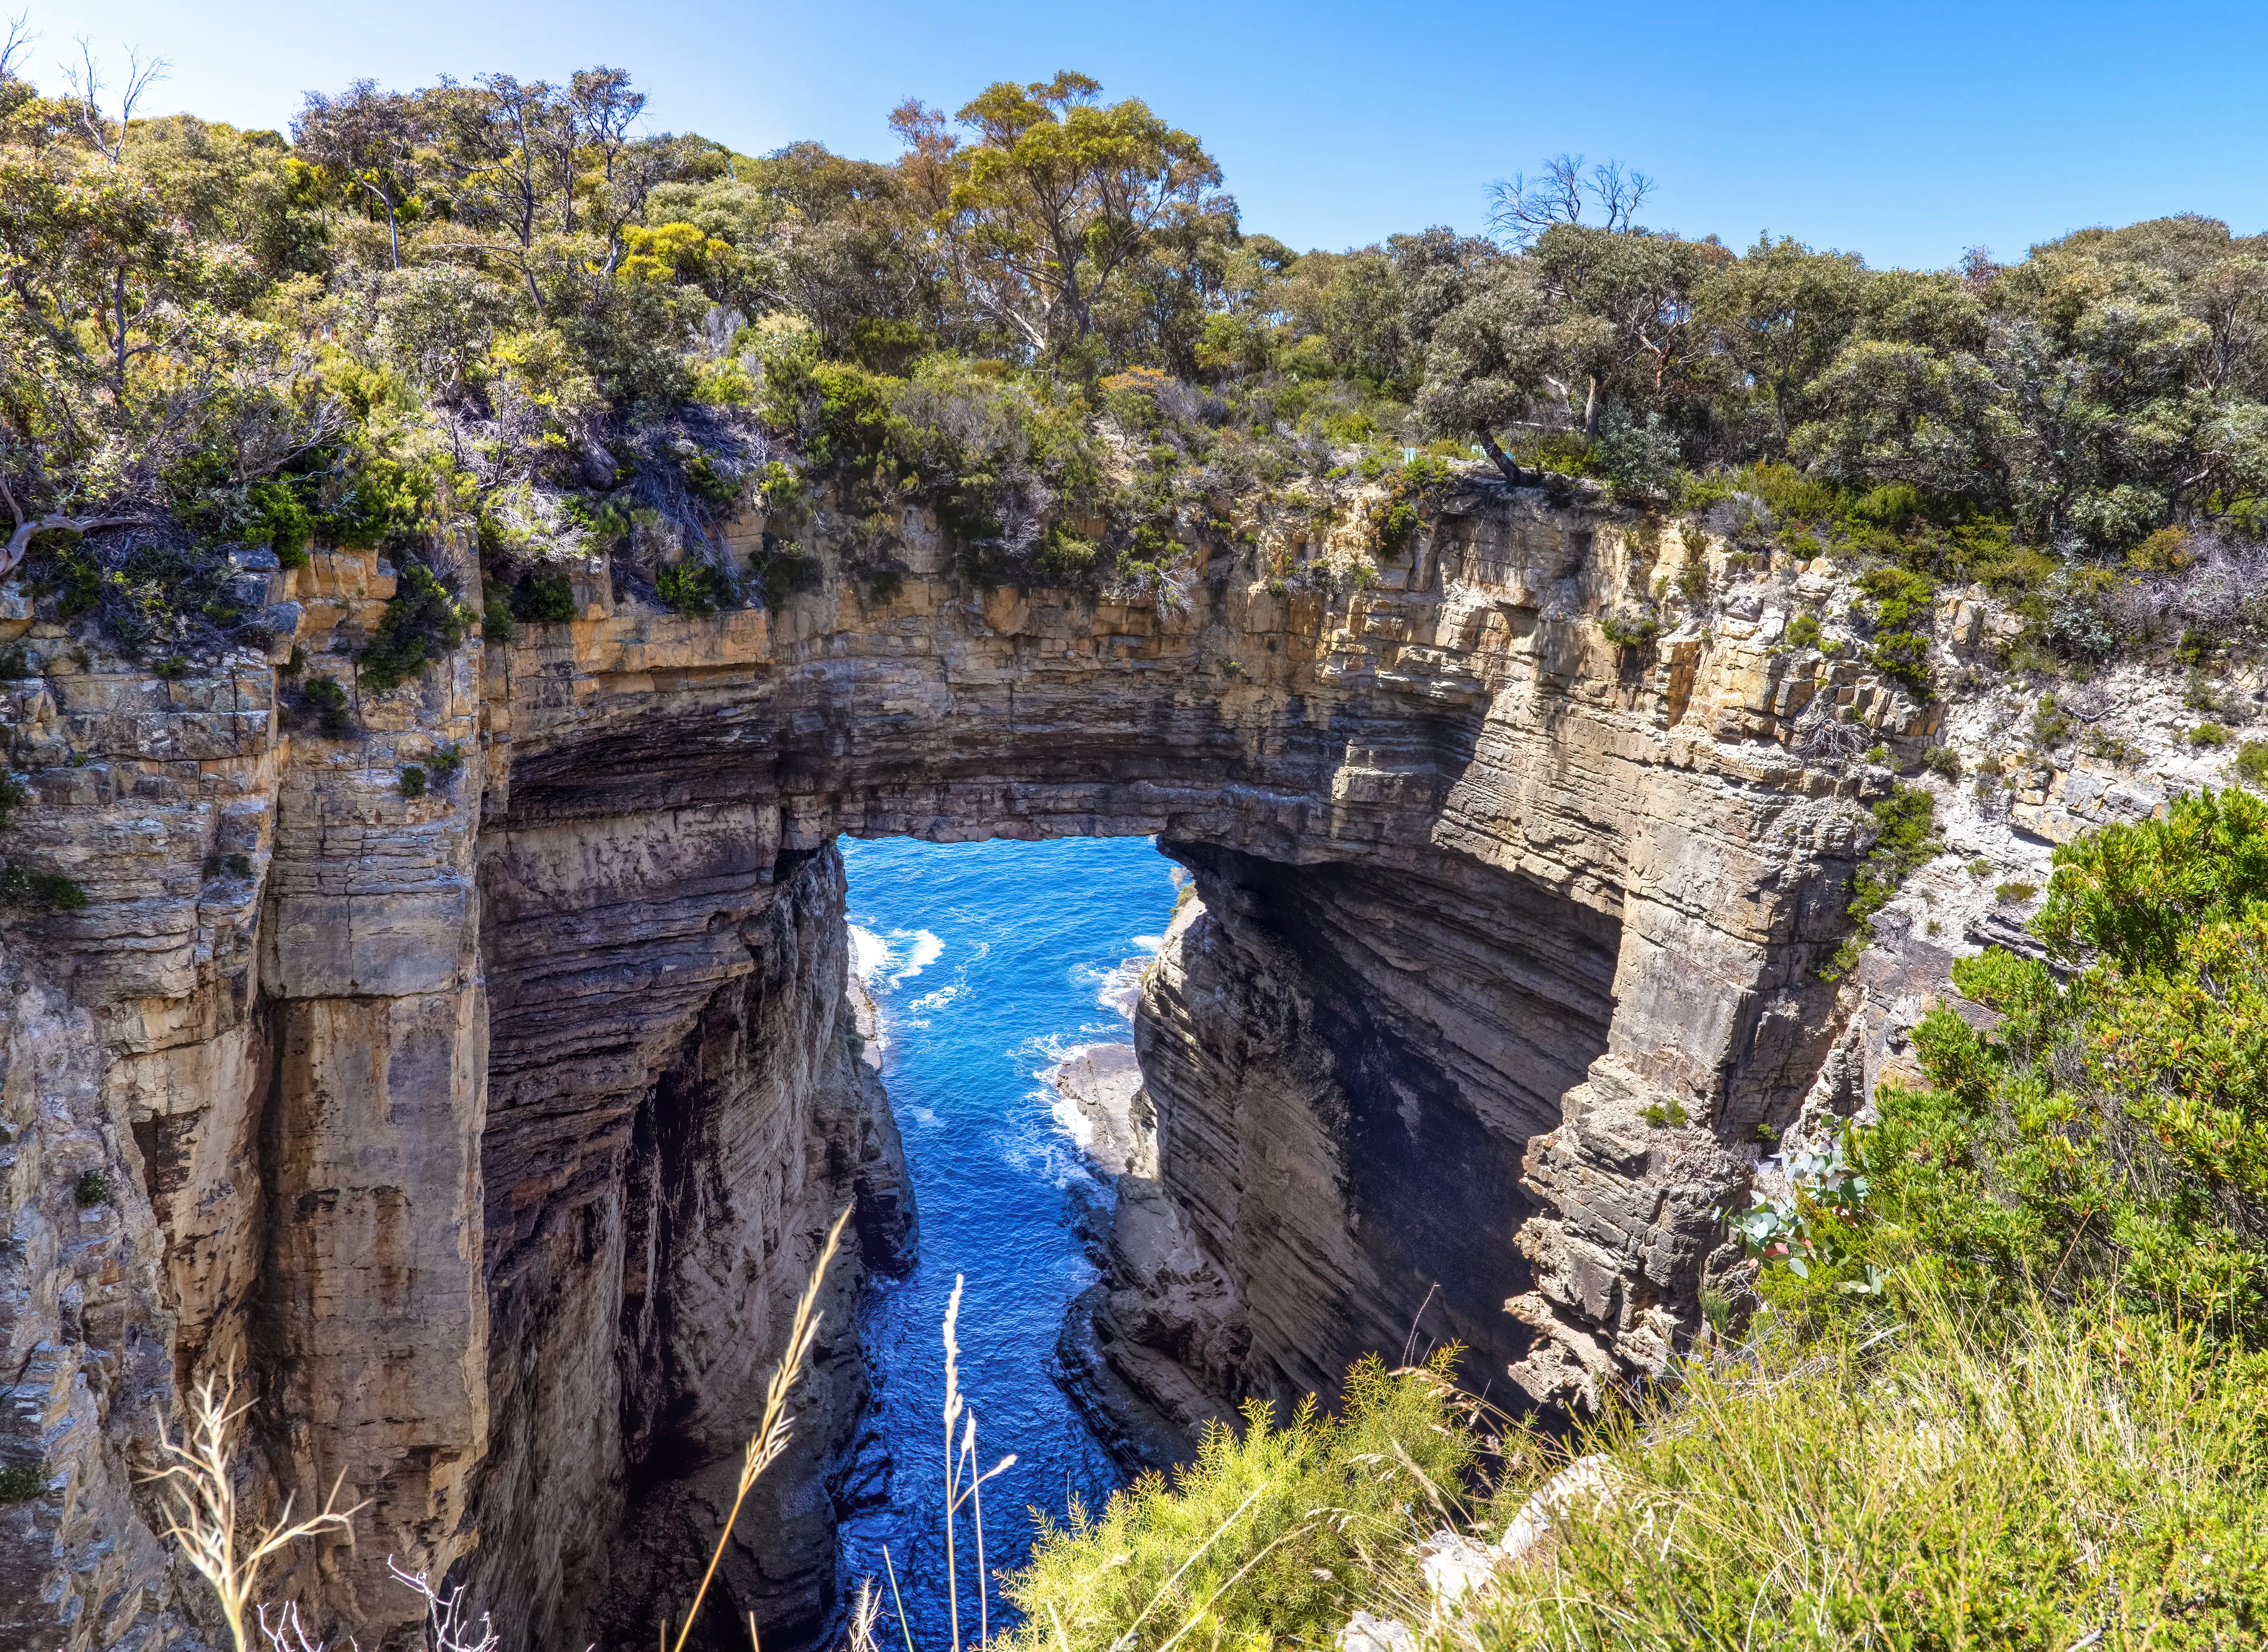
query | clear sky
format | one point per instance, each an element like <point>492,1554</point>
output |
<point>1905,132</point>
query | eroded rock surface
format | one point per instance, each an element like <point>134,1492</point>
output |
<point>490,1131</point>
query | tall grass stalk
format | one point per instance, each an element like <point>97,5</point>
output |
<point>962,1482</point>
<point>771,1436</point>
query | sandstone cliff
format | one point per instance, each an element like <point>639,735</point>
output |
<point>490,1131</point>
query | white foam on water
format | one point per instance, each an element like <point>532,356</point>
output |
<point>869,952</point>
<point>1148,943</point>
<point>939,998</point>
<point>925,952</point>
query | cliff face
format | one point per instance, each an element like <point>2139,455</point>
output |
<point>489,1132</point>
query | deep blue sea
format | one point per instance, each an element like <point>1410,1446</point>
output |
<point>988,961</point>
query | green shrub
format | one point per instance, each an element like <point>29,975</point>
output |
<point>17,664</point>
<point>1664,1115</point>
<point>1272,1537</point>
<point>19,885</point>
<point>1636,630</point>
<point>2051,725</point>
<point>322,695</point>
<point>1904,822</point>
<point>783,567</point>
<point>543,597</point>
<point>1803,631</point>
<point>2014,893</point>
<point>2112,1128</point>
<point>497,623</point>
<point>21,1482</point>
<point>2252,763</point>
<point>423,622</point>
<point>692,586</point>
<point>1903,658</point>
<point>1063,554</point>
<point>412,781</point>
<point>2208,735</point>
<point>91,1187</point>
<point>13,795</point>
<point>1941,760</point>
<point>444,762</point>
<point>170,668</point>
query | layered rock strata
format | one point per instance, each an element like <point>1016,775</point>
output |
<point>487,1130</point>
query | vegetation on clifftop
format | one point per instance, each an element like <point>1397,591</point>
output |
<point>501,321</point>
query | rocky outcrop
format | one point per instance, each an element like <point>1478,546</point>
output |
<point>489,1129</point>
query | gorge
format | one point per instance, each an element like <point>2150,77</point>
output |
<point>488,1134</point>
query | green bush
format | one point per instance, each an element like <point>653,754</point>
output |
<point>693,586</point>
<point>19,885</point>
<point>1270,1538</point>
<point>1903,842</point>
<point>447,760</point>
<point>2208,735</point>
<point>21,1482</point>
<point>2112,1130</point>
<point>1063,554</point>
<point>783,567</point>
<point>322,695</point>
<point>543,597</point>
<point>1803,631</point>
<point>412,781</point>
<point>1630,630</point>
<point>2252,763</point>
<point>423,622</point>
<point>91,1187</point>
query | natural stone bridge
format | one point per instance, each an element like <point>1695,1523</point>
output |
<point>490,1132</point>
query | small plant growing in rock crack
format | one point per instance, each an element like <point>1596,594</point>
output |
<point>13,795</point>
<point>91,1187</point>
<point>1903,844</point>
<point>2208,735</point>
<point>322,696</point>
<point>228,865</point>
<point>1664,1115</point>
<point>692,588</point>
<point>16,663</point>
<point>19,885</point>
<point>448,759</point>
<point>1942,760</point>
<point>423,621</point>
<point>1630,630</point>
<point>2014,893</point>
<point>412,781</point>
<point>1803,631</point>
<point>171,668</point>
<point>22,1482</point>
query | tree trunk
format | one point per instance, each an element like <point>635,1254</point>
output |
<point>20,541</point>
<point>1591,411</point>
<point>1503,461</point>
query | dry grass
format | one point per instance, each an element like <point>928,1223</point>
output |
<point>771,1436</point>
<point>198,1487</point>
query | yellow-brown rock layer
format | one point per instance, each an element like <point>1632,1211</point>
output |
<point>489,1132</point>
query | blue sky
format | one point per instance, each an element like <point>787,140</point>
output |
<point>1906,132</point>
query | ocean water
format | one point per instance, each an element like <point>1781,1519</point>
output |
<point>988,961</point>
